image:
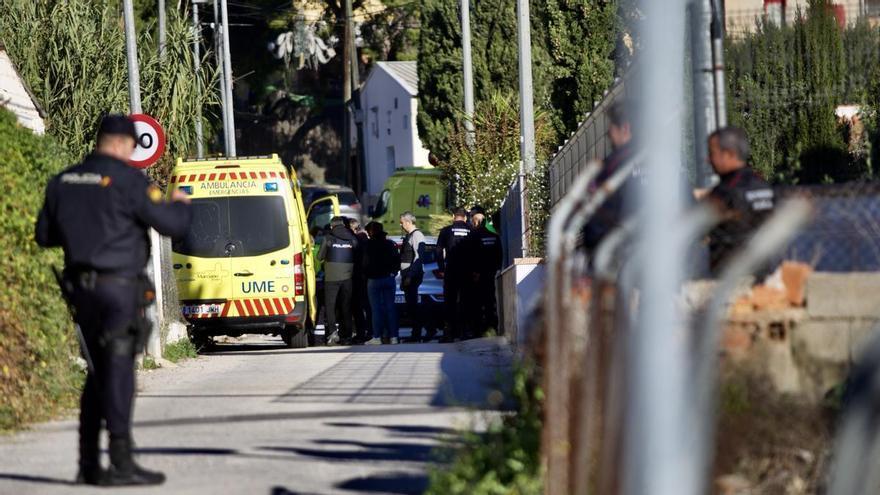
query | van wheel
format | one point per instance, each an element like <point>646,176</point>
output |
<point>295,338</point>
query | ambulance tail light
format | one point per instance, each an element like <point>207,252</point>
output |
<point>299,277</point>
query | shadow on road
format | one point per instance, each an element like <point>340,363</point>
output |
<point>27,478</point>
<point>402,483</point>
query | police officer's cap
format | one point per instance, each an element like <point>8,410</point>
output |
<point>117,125</point>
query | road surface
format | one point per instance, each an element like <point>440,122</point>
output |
<point>254,417</point>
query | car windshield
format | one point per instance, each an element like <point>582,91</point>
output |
<point>235,227</point>
<point>382,204</point>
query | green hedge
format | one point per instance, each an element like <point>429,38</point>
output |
<point>38,375</point>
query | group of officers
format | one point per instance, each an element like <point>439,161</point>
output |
<point>360,266</point>
<point>741,198</point>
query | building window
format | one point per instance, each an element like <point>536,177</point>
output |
<point>374,117</point>
<point>395,103</point>
<point>390,160</point>
<point>405,121</point>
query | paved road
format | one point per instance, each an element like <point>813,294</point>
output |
<point>254,417</point>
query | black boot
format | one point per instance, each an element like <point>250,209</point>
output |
<point>123,470</point>
<point>90,472</point>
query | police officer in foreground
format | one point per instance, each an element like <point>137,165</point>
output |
<point>99,212</point>
<point>338,254</point>
<point>743,198</point>
<point>452,264</point>
<point>484,255</point>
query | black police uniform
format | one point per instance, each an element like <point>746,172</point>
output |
<point>360,301</point>
<point>451,260</point>
<point>338,252</point>
<point>617,206</point>
<point>99,212</point>
<point>745,201</point>
<point>485,256</point>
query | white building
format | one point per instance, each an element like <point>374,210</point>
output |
<point>15,96</point>
<point>391,139</point>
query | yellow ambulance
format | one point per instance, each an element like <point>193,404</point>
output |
<point>246,265</point>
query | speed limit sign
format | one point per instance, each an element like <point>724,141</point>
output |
<point>150,142</point>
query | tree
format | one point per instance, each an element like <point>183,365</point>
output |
<point>786,82</point>
<point>573,44</point>
<point>581,37</point>
<point>393,33</point>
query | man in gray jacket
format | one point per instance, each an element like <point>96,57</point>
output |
<point>412,271</point>
<point>337,253</point>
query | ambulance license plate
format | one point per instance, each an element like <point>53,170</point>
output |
<point>399,299</point>
<point>201,310</point>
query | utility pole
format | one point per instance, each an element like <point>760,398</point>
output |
<point>154,267</point>
<point>468,69</point>
<point>346,90</point>
<point>704,86</point>
<point>218,53</point>
<point>227,76</point>
<point>162,30</point>
<point>526,112</point>
<point>361,171</point>
<point>718,65</point>
<point>197,66</point>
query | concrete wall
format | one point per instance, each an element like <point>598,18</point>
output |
<point>15,97</point>
<point>808,350</point>
<point>520,286</point>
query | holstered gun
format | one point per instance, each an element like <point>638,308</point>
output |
<point>143,327</point>
<point>66,287</point>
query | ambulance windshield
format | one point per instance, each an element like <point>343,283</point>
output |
<point>235,226</point>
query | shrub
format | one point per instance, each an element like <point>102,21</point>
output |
<point>506,458</point>
<point>39,376</point>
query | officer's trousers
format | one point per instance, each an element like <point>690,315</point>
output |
<point>483,309</point>
<point>106,311</point>
<point>337,302</point>
<point>454,303</point>
<point>410,281</point>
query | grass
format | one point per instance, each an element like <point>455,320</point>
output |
<point>149,363</point>
<point>182,349</point>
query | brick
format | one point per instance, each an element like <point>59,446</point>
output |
<point>736,340</point>
<point>843,295</point>
<point>764,297</point>
<point>794,277</point>
<point>822,340</point>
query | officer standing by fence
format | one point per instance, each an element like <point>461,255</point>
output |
<point>338,254</point>
<point>743,199</point>
<point>412,251</point>
<point>484,255</point>
<point>99,212</point>
<point>452,264</point>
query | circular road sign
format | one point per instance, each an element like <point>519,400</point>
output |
<point>150,142</point>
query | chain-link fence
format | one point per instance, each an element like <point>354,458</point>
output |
<point>590,141</point>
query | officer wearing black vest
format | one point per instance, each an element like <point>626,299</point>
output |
<point>338,253</point>
<point>452,264</point>
<point>484,256</point>
<point>412,271</point>
<point>99,212</point>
